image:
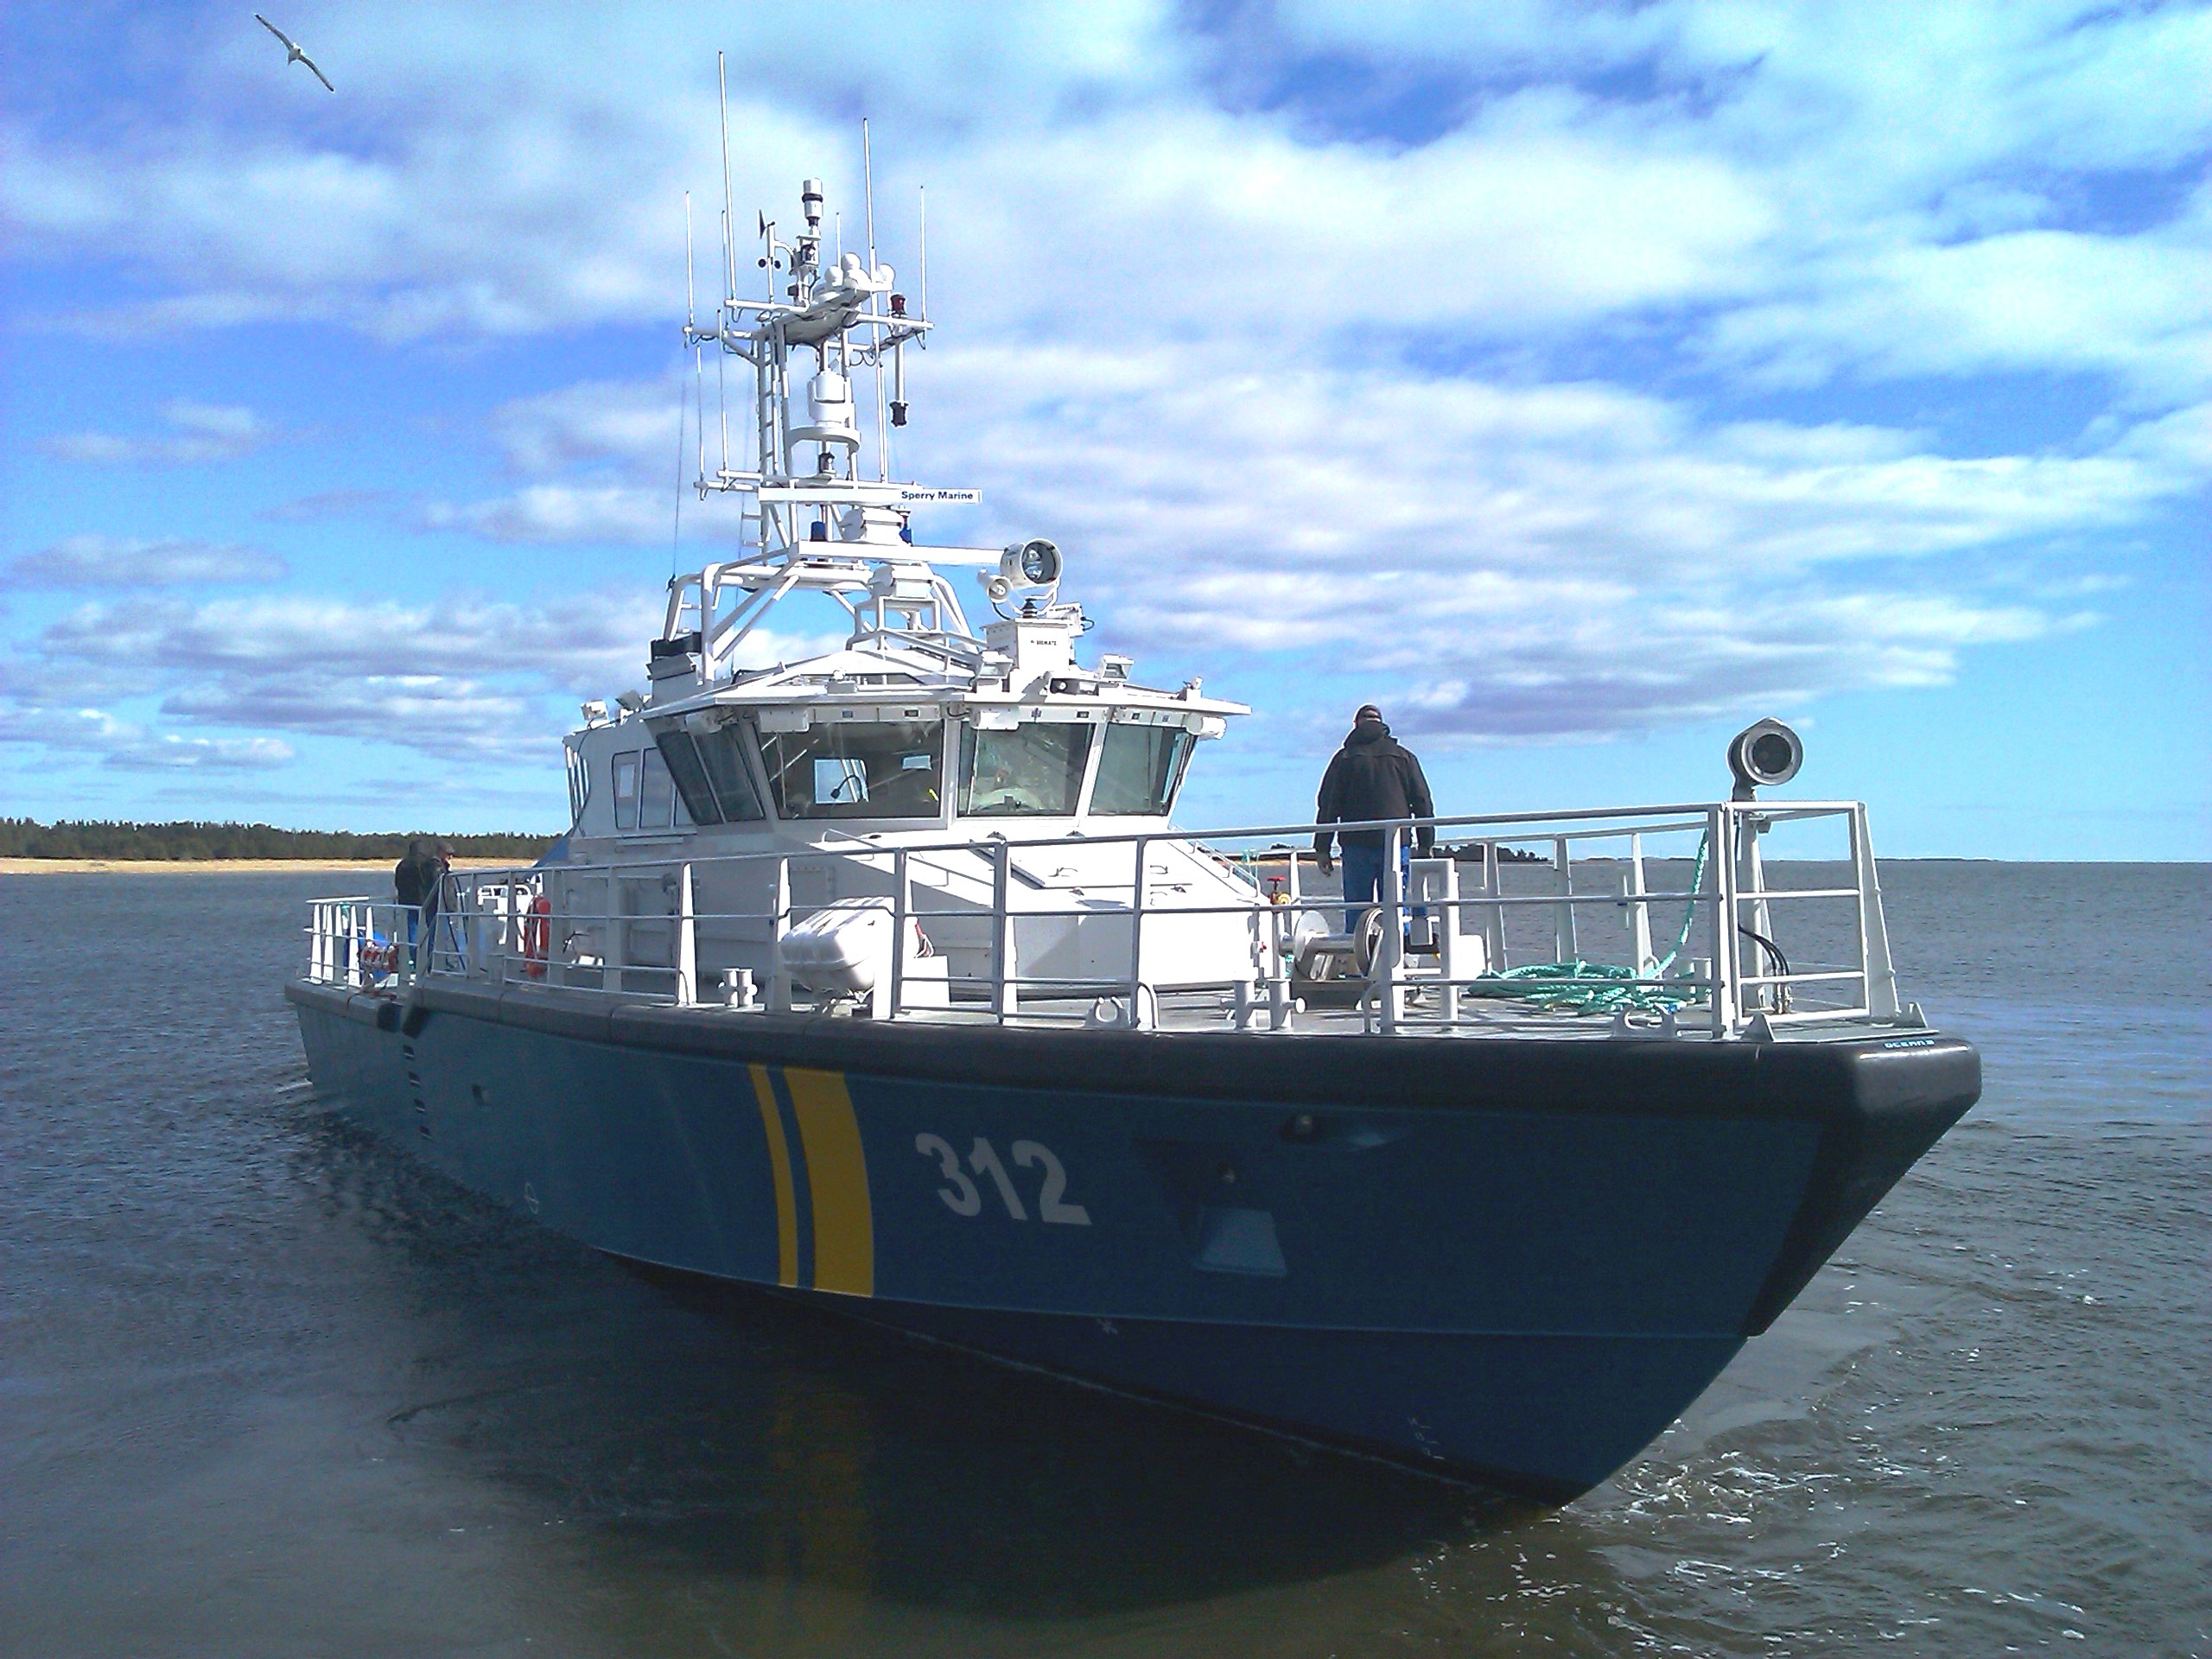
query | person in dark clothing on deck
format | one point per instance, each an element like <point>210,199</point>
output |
<point>407,879</point>
<point>418,881</point>
<point>1372,776</point>
<point>407,874</point>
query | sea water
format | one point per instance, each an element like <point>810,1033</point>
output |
<point>269,1388</point>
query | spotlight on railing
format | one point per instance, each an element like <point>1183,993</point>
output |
<point>1763,756</point>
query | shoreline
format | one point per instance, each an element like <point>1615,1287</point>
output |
<point>219,865</point>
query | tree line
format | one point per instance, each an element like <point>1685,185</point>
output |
<point>163,842</point>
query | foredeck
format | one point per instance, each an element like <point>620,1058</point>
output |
<point>1648,923</point>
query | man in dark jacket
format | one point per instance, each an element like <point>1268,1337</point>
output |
<point>1372,776</point>
<point>407,879</point>
<point>407,874</point>
<point>418,881</point>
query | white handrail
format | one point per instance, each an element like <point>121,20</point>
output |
<point>485,932</point>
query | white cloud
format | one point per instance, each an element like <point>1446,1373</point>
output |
<point>1284,471</point>
<point>1933,176</point>
<point>1676,658</point>
<point>465,679</point>
<point>561,513</point>
<point>1834,176</point>
<point>121,562</point>
<point>591,423</point>
<point>463,676</point>
<point>1891,98</point>
<point>2026,301</point>
<point>1183,223</point>
<point>1448,406</point>
<point>168,751</point>
<point>1571,557</point>
<point>199,432</point>
<point>132,747</point>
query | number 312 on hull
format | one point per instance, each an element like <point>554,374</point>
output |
<point>963,1198</point>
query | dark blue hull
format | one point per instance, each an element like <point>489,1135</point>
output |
<point>1512,1262</point>
<point>1549,1417</point>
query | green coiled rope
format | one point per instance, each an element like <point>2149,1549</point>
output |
<point>1580,987</point>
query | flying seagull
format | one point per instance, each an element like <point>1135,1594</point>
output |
<point>292,53</point>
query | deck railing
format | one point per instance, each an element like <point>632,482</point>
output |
<point>1487,936</point>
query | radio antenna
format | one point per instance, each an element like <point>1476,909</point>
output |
<point>874,305</point>
<point>729,218</point>
<point>868,194</point>
<point>690,300</point>
<point>922,254</point>
<point>722,385</point>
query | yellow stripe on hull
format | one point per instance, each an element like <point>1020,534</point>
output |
<point>780,1163</point>
<point>836,1176</point>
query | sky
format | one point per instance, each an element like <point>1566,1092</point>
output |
<point>1579,382</point>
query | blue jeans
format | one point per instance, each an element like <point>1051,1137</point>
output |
<point>1362,868</point>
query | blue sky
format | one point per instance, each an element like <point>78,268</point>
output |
<point>1578,382</point>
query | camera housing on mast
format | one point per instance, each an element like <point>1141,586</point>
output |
<point>1025,565</point>
<point>1764,756</point>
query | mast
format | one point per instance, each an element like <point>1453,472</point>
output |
<point>815,519</point>
<point>836,309</point>
<point>868,194</point>
<point>823,523</point>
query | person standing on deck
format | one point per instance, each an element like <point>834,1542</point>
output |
<point>409,877</point>
<point>418,882</point>
<point>1372,776</point>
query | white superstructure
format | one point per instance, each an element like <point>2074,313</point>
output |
<point>918,729</point>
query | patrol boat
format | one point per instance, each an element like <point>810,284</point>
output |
<point>884,979</point>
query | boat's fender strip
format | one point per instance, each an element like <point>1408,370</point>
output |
<point>1573,1074</point>
<point>363,1008</point>
<point>1821,1082</point>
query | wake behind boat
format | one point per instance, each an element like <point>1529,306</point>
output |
<point>885,980</point>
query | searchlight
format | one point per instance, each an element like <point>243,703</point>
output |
<point>1764,756</point>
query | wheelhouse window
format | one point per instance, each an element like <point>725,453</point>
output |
<point>627,766</point>
<point>1034,771</point>
<point>656,799</point>
<point>1140,770</point>
<point>857,769</point>
<point>709,773</point>
<point>579,787</point>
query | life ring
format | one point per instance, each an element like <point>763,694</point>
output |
<point>537,925</point>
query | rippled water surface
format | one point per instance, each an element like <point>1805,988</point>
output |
<point>267,1387</point>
